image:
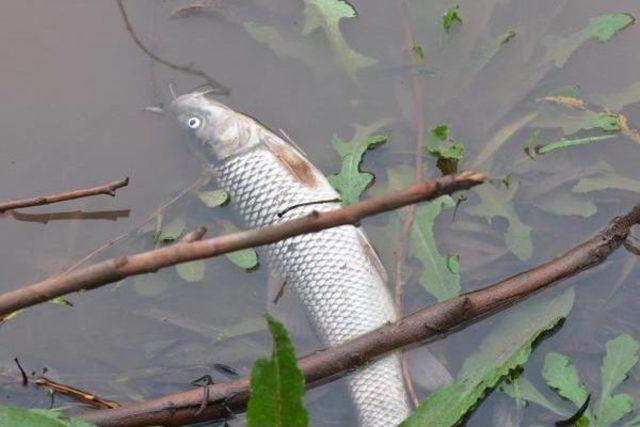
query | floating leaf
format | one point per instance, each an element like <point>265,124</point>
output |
<point>499,203</point>
<point>13,416</point>
<point>351,182</point>
<point>214,198</point>
<point>566,143</point>
<point>451,17</point>
<point>602,28</point>
<point>191,271</point>
<point>277,385</point>
<point>244,258</point>
<point>494,47</point>
<point>562,376</point>
<point>326,14</point>
<point>568,204</point>
<point>523,389</point>
<point>621,355</point>
<point>606,182</point>
<point>507,347</point>
<point>448,152</point>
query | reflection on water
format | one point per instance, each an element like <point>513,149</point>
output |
<point>75,88</point>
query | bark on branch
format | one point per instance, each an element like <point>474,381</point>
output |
<point>426,325</point>
<point>116,269</point>
<point>108,189</point>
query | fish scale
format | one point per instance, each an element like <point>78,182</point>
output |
<point>335,272</point>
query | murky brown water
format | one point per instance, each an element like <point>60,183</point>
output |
<point>74,87</point>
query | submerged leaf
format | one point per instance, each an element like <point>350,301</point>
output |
<point>562,376</point>
<point>568,204</point>
<point>507,347</point>
<point>418,52</point>
<point>606,182</point>
<point>244,258</point>
<point>214,198</point>
<point>277,385</point>
<point>451,17</point>
<point>499,203</point>
<point>170,232</point>
<point>13,416</point>
<point>602,28</point>
<point>571,121</point>
<point>326,14</point>
<point>621,355</point>
<point>351,181</point>
<point>522,389</point>
<point>566,143</point>
<point>494,47</point>
<point>191,271</point>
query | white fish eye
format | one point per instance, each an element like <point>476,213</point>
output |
<point>194,122</point>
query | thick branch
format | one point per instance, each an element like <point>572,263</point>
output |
<point>426,325</point>
<point>116,269</point>
<point>109,189</point>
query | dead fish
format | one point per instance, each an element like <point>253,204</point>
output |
<point>265,176</point>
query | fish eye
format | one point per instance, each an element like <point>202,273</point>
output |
<point>194,122</point>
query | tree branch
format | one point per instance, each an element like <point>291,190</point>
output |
<point>426,325</point>
<point>108,189</point>
<point>116,269</point>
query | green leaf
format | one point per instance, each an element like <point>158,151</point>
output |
<point>602,28</point>
<point>606,182</point>
<point>523,389</point>
<point>451,17</point>
<point>351,181</point>
<point>418,52</point>
<point>244,258</point>
<point>13,416</point>
<point>277,385</point>
<point>326,15</point>
<point>214,198</point>
<point>621,355</point>
<point>499,203</point>
<point>566,143</point>
<point>170,232</point>
<point>562,376</point>
<point>494,47</point>
<point>191,271</point>
<point>567,204</point>
<point>449,153</point>
<point>507,347</point>
<point>440,274</point>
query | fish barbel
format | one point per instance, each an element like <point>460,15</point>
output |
<point>335,273</point>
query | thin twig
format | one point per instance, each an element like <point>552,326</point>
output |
<point>77,394</point>
<point>217,88</point>
<point>426,325</point>
<point>116,269</point>
<point>108,189</point>
<point>401,244</point>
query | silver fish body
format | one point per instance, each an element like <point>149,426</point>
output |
<point>335,273</point>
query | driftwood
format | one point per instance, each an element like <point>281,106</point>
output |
<point>108,189</point>
<point>426,325</point>
<point>116,269</point>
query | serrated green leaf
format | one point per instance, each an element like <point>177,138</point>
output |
<point>244,258</point>
<point>621,355</point>
<point>507,347</point>
<point>562,376</point>
<point>567,143</point>
<point>567,204</point>
<point>13,416</point>
<point>214,198</point>
<point>606,182</point>
<point>351,181</point>
<point>191,271</point>
<point>499,203</point>
<point>451,17</point>
<point>277,385</point>
<point>440,274</point>
<point>327,14</point>
<point>448,152</point>
<point>523,389</point>
<point>602,28</point>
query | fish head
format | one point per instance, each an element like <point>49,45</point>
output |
<point>220,130</point>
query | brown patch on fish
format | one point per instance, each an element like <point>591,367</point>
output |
<point>372,255</point>
<point>294,162</point>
